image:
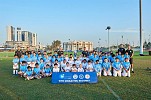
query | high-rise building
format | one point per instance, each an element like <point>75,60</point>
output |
<point>19,34</point>
<point>34,39</point>
<point>30,37</point>
<point>24,38</point>
<point>10,33</point>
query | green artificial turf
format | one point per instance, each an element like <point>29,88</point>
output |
<point>137,87</point>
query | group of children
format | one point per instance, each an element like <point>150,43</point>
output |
<point>37,65</point>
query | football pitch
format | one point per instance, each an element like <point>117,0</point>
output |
<point>137,87</point>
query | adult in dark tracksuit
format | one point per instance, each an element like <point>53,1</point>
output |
<point>121,49</point>
<point>19,52</point>
<point>130,53</point>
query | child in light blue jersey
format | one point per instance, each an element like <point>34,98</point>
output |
<point>104,56</point>
<point>41,64</point>
<point>67,67</point>
<point>66,57</point>
<point>53,59</point>
<point>37,71</point>
<point>49,56</point>
<point>15,64</point>
<point>106,67</point>
<point>95,58</point>
<point>91,56</point>
<point>122,58</point>
<point>23,68</point>
<point>56,62</point>
<point>112,58</point>
<point>32,53</point>
<point>74,68</point>
<point>28,74</point>
<point>34,60</point>
<point>26,55</point>
<point>78,62</point>
<point>126,55</point>
<point>47,61</point>
<point>80,69</point>
<point>109,56</point>
<point>89,67</point>
<point>56,54</point>
<point>84,64</point>
<point>47,71</point>
<point>59,59</point>
<point>39,57</point>
<point>63,65</point>
<point>98,68</point>
<point>71,61</point>
<point>117,66</point>
<point>119,55</point>
<point>55,68</point>
<point>100,60</point>
<point>22,58</point>
<point>44,57</point>
<point>62,57</point>
<point>29,60</point>
<point>126,68</point>
<point>84,57</point>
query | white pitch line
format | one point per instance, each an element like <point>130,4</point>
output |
<point>110,89</point>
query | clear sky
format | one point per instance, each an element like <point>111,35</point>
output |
<point>77,19</point>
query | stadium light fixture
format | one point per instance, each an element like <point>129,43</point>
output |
<point>108,28</point>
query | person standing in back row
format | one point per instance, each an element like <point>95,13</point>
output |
<point>60,52</point>
<point>28,50</point>
<point>85,52</point>
<point>18,53</point>
<point>130,53</point>
<point>121,49</point>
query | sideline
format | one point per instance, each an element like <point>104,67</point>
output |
<point>118,98</point>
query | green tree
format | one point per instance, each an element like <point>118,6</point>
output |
<point>54,46</point>
<point>145,45</point>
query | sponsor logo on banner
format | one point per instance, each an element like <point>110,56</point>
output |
<point>75,76</point>
<point>61,76</point>
<point>87,76</point>
<point>81,76</point>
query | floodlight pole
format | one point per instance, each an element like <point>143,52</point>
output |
<point>108,28</point>
<point>108,40</point>
<point>141,34</point>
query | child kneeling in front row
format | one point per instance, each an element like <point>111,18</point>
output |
<point>47,71</point>
<point>80,69</point>
<point>37,71</point>
<point>28,74</point>
<point>89,67</point>
<point>23,68</point>
<point>74,69</point>
<point>56,69</point>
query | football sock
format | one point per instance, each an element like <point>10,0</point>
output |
<point>14,72</point>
